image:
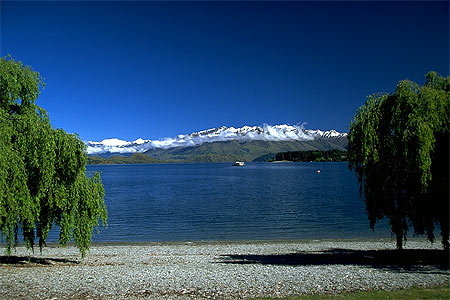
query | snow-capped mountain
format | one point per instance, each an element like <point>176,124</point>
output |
<point>329,134</point>
<point>246,133</point>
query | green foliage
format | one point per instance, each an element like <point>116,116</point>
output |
<point>42,170</point>
<point>305,156</point>
<point>398,146</point>
<point>18,82</point>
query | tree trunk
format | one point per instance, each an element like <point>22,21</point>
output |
<point>445,236</point>
<point>398,231</point>
<point>399,236</point>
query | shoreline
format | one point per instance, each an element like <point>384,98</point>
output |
<point>387,240</point>
<point>220,269</point>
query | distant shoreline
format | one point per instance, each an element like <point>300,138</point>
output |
<point>206,162</point>
<point>225,156</point>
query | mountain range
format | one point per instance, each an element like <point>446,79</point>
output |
<point>246,143</point>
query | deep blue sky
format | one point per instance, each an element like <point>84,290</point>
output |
<point>158,69</point>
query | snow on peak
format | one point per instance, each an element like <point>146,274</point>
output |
<point>114,142</point>
<point>326,134</point>
<point>140,141</point>
<point>266,132</point>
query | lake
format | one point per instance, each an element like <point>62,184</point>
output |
<point>216,201</point>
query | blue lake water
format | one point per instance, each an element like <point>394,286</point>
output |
<point>216,201</point>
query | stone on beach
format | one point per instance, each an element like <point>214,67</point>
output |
<point>215,270</point>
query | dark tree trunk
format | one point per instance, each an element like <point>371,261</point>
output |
<point>399,236</point>
<point>445,236</point>
<point>398,231</point>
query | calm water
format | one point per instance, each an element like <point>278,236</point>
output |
<point>182,202</point>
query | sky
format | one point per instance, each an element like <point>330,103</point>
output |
<point>151,70</point>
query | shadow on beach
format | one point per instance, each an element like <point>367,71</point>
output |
<point>417,260</point>
<point>27,260</point>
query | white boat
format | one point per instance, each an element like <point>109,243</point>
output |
<point>239,164</point>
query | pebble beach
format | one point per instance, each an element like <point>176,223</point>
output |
<point>219,270</point>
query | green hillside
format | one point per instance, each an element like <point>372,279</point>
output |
<point>136,158</point>
<point>222,151</point>
<point>243,151</point>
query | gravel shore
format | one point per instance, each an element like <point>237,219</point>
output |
<point>220,269</point>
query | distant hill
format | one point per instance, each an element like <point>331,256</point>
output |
<point>137,158</point>
<point>224,144</point>
<point>242,151</point>
<point>222,151</point>
<point>266,132</point>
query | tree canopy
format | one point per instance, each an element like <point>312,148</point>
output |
<point>399,149</point>
<point>43,178</point>
<point>312,155</point>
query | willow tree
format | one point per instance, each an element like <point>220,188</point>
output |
<point>42,170</point>
<point>399,148</point>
